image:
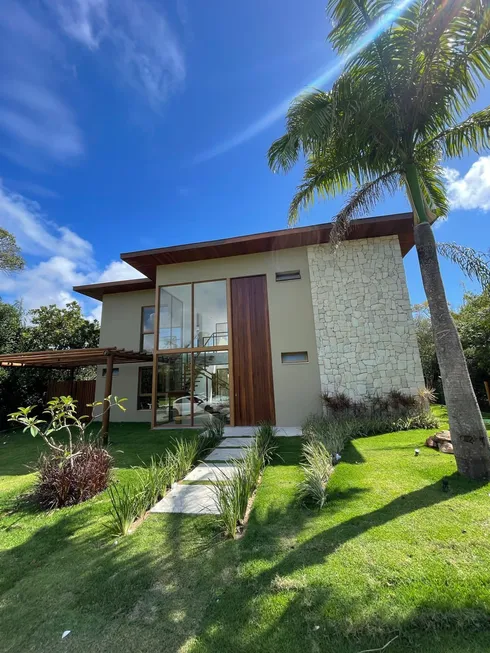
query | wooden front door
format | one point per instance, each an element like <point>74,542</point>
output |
<point>252,365</point>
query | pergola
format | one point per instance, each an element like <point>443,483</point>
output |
<point>71,358</point>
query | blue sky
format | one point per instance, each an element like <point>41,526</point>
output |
<point>129,125</point>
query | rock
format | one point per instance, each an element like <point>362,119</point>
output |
<point>446,447</point>
<point>442,436</point>
<point>430,442</point>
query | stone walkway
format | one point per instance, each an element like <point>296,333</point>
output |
<point>191,498</point>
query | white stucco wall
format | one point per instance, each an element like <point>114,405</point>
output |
<point>365,335</point>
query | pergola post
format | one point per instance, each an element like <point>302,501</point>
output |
<point>107,404</point>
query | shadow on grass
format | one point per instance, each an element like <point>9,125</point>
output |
<point>230,630</point>
<point>175,586</point>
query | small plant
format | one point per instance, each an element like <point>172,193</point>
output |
<point>126,507</point>
<point>215,428</point>
<point>265,439</point>
<point>423,420</point>
<point>337,402</point>
<point>333,433</point>
<point>182,457</point>
<point>401,400</point>
<point>427,396</point>
<point>317,469</point>
<point>232,496</point>
<point>65,481</point>
<point>75,469</point>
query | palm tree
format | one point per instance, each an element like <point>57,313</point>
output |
<point>387,122</point>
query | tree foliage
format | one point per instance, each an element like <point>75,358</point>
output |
<point>398,107</point>
<point>48,327</point>
<point>473,324</point>
<point>10,257</point>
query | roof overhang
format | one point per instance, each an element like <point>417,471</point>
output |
<point>98,290</point>
<point>73,357</point>
<point>147,261</point>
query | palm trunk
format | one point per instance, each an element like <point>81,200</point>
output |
<point>468,433</point>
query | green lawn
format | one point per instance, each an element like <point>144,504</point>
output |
<point>390,554</point>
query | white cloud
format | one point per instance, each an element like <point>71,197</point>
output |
<point>148,54</point>
<point>35,120</point>
<point>67,259</point>
<point>36,235</point>
<point>119,271</point>
<point>471,191</point>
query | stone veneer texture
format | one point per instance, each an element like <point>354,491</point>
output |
<point>365,334</point>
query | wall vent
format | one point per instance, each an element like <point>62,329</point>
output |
<point>294,357</point>
<point>288,276</point>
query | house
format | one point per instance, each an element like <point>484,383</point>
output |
<point>258,327</point>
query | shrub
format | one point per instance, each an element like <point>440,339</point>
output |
<point>265,439</point>
<point>232,496</point>
<point>65,481</point>
<point>126,506</point>
<point>317,469</point>
<point>333,433</point>
<point>72,471</point>
<point>337,402</point>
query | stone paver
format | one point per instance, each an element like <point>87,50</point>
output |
<point>200,499</point>
<point>235,442</point>
<point>188,499</point>
<point>225,455</point>
<point>212,472</point>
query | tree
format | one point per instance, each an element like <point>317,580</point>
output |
<point>473,322</point>
<point>409,78</point>
<point>48,327</point>
<point>60,328</point>
<point>427,348</point>
<point>10,258</point>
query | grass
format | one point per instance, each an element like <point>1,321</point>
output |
<point>391,554</point>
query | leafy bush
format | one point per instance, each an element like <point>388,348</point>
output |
<point>72,471</point>
<point>317,469</point>
<point>395,403</point>
<point>65,481</point>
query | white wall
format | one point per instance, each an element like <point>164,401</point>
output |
<point>121,327</point>
<point>365,335</point>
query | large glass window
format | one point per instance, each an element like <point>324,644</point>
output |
<point>147,328</point>
<point>175,317</point>
<point>196,385</point>
<point>174,389</point>
<point>210,314</point>
<point>211,386</point>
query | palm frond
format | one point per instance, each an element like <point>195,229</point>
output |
<point>434,190</point>
<point>472,134</point>
<point>362,201</point>
<point>283,153</point>
<point>475,264</point>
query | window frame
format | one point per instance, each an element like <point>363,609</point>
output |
<point>146,394</point>
<point>144,333</point>
<point>191,350</point>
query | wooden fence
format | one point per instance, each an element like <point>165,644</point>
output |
<point>82,391</point>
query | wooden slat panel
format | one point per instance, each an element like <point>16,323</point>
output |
<point>252,364</point>
<point>82,391</point>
